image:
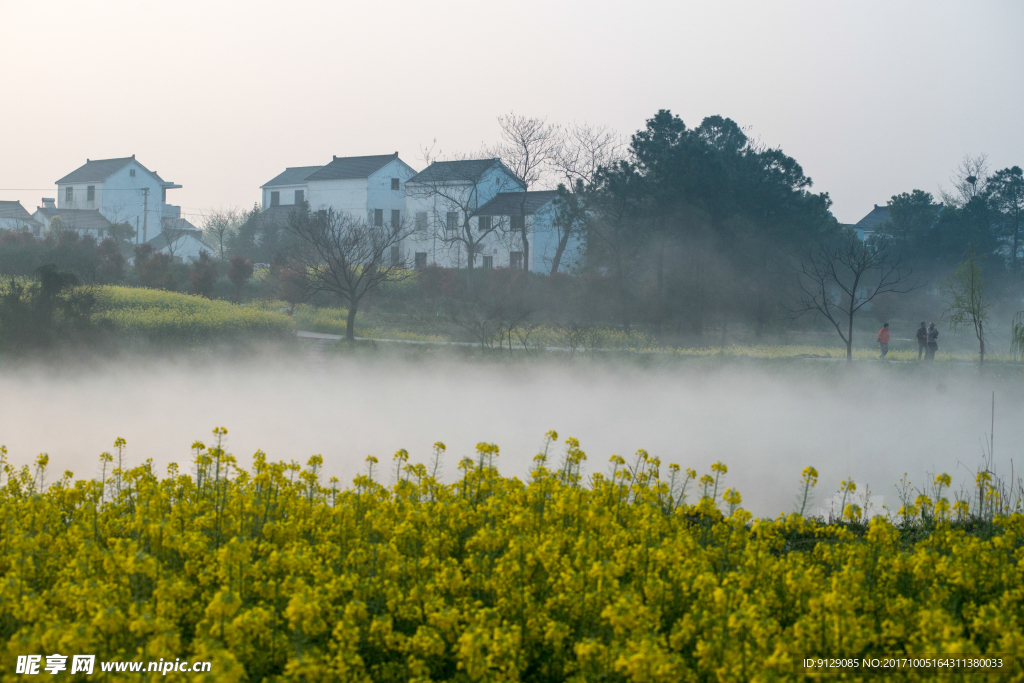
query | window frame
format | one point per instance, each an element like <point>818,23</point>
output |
<point>378,218</point>
<point>396,184</point>
<point>275,198</point>
<point>300,197</point>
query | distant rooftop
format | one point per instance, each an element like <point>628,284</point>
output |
<point>516,203</point>
<point>467,170</point>
<point>13,210</point>
<point>293,175</point>
<point>876,217</point>
<point>98,170</point>
<point>347,168</point>
<point>78,219</point>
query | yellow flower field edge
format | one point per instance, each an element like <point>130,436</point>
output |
<point>271,574</point>
<point>158,315</point>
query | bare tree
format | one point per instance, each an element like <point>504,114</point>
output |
<point>839,278</point>
<point>452,189</point>
<point>528,148</point>
<point>218,225</point>
<point>346,257</point>
<point>967,306</point>
<point>583,151</point>
<point>969,179</point>
<point>173,236</point>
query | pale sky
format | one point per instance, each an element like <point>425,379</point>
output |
<point>872,98</point>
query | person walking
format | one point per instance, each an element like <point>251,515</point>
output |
<point>933,341</point>
<point>883,340</point>
<point>922,340</point>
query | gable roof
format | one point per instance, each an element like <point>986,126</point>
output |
<point>293,175</point>
<point>177,229</point>
<point>346,168</point>
<point>98,170</point>
<point>878,215</point>
<point>78,219</point>
<point>516,203</point>
<point>15,211</point>
<point>179,225</point>
<point>465,170</point>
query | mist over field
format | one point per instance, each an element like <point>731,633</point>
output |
<point>766,422</point>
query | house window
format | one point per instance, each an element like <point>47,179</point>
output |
<point>518,222</point>
<point>421,260</point>
<point>452,222</point>
<point>515,260</point>
<point>378,217</point>
<point>488,262</point>
<point>421,221</point>
<point>395,261</point>
<point>396,218</point>
<point>69,194</point>
<point>394,184</point>
<point>275,198</point>
<point>300,196</point>
<point>131,173</point>
<point>484,223</point>
<point>90,193</point>
<point>163,195</point>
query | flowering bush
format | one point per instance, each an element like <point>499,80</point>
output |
<point>272,574</point>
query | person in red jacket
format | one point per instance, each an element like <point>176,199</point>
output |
<point>883,340</point>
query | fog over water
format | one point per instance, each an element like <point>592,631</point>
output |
<point>872,423</point>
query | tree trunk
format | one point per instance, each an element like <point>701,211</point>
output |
<point>526,247</point>
<point>981,342</point>
<point>563,242</point>
<point>469,269</point>
<point>849,340</point>
<point>350,322</point>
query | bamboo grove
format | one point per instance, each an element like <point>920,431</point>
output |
<point>641,573</point>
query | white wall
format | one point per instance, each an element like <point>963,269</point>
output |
<point>287,194</point>
<point>120,199</point>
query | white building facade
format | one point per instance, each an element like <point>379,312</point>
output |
<point>123,191</point>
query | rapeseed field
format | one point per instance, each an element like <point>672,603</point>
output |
<point>642,573</point>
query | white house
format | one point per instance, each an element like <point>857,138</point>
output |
<point>535,211</point>
<point>122,190</point>
<point>445,197</point>
<point>370,188</point>
<point>86,222</point>
<point>182,240</point>
<point>13,216</point>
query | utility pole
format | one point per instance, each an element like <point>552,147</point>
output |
<point>145,211</point>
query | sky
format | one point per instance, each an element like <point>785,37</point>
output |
<point>871,98</point>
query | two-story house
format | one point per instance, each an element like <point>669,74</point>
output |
<point>123,191</point>
<point>443,201</point>
<point>370,188</point>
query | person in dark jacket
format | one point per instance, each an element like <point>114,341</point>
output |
<point>922,339</point>
<point>933,341</point>
<point>883,340</point>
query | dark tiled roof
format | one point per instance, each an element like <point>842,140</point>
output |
<point>295,175</point>
<point>468,170</point>
<point>161,241</point>
<point>14,210</point>
<point>878,215</point>
<point>179,224</point>
<point>79,219</point>
<point>345,168</point>
<point>516,203</point>
<point>98,170</point>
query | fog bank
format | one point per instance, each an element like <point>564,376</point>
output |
<point>872,423</point>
